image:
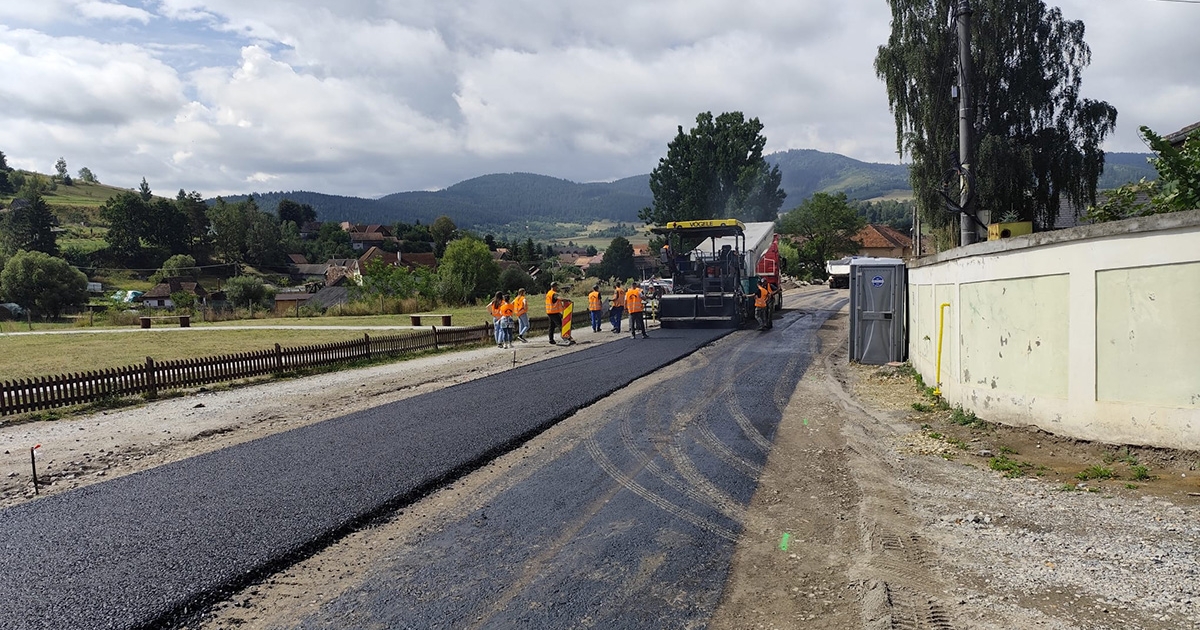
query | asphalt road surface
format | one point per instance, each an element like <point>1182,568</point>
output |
<point>139,550</point>
<point>633,528</point>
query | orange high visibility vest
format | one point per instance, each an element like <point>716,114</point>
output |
<point>594,301</point>
<point>506,310</point>
<point>764,295</point>
<point>633,300</point>
<point>553,306</point>
<point>494,310</point>
<point>519,307</point>
<point>618,300</point>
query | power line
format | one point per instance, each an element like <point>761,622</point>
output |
<point>156,269</point>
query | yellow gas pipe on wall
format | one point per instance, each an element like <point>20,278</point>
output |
<point>937,390</point>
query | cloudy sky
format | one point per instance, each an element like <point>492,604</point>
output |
<point>369,97</point>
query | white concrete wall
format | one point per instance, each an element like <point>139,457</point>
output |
<point>1092,332</point>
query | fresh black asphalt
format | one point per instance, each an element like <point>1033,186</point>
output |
<point>141,549</point>
<point>633,528</point>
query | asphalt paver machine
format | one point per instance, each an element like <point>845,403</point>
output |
<point>707,263</point>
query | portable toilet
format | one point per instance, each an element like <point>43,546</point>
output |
<point>878,294</point>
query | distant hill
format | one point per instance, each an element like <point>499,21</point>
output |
<point>806,171</point>
<point>499,199</point>
<point>1123,168</point>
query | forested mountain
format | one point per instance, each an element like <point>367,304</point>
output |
<point>520,197</point>
<point>515,197</point>
<point>806,171</point>
<point>1123,168</point>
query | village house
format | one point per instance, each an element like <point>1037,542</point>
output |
<point>881,241</point>
<point>363,237</point>
<point>160,295</point>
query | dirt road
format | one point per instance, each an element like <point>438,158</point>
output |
<point>868,514</point>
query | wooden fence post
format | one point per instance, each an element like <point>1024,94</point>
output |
<point>435,338</point>
<point>151,384</point>
<point>278,359</point>
<point>367,341</point>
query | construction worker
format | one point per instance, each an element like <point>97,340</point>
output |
<point>506,323</point>
<point>554,309</point>
<point>616,310</point>
<point>494,311</point>
<point>521,313</point>
<point>762,304</point>
<point>633,302</point>
<point>595,306</point>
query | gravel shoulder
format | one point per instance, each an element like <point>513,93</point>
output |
<point>897,519</point>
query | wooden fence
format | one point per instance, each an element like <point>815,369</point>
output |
<point>152,377</point>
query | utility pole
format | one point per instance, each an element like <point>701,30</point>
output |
<point>966,121</point>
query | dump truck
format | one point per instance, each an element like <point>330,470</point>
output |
<point>715,267</point>
<point>839,272</point>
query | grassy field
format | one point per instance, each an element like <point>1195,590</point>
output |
<point>79,194</point>
<point>26,356</point>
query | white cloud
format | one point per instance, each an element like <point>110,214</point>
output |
<point>93,10</point>
<point>367,97</point>
<point>81,81</point>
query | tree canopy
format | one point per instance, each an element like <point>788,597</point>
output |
<point>716,170</point>
<point>6,185</point>
<point>824,226</point>
<point>45,285</point>
<point>1177,187</point>
<point>1038,140</point>
<point>28,224</point>
<point>244,234</point>
<point>443,231</point>
<point>467,271</point>
<point>618,260</point>
<point>248,291</point>
<point>298,213</point>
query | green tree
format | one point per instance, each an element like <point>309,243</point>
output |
<point>331,242</point>
<point>514,278</point>
<point>179,266</point>
<point>63,176</point>
<point>1177,187</point>
<point>168,227</point>
<point>247,291</point>
<point>28,224</point>
<point>193,207</point>
<point>380,279</point>
<point>825,226</point>
<point>86,175</point>
<point>6,185</point>
<point>1037,140</point>
<point>242,233</point>
<point>715,171</point>
<point>297,213</point>
<point>443,231</point>
<point>468,271</point>
<point>1178,171</point>
<point>183,300</point>
<point>618,260</point>
<point>128,216</point>
<point>42,283</point>
<point>144,191</point>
